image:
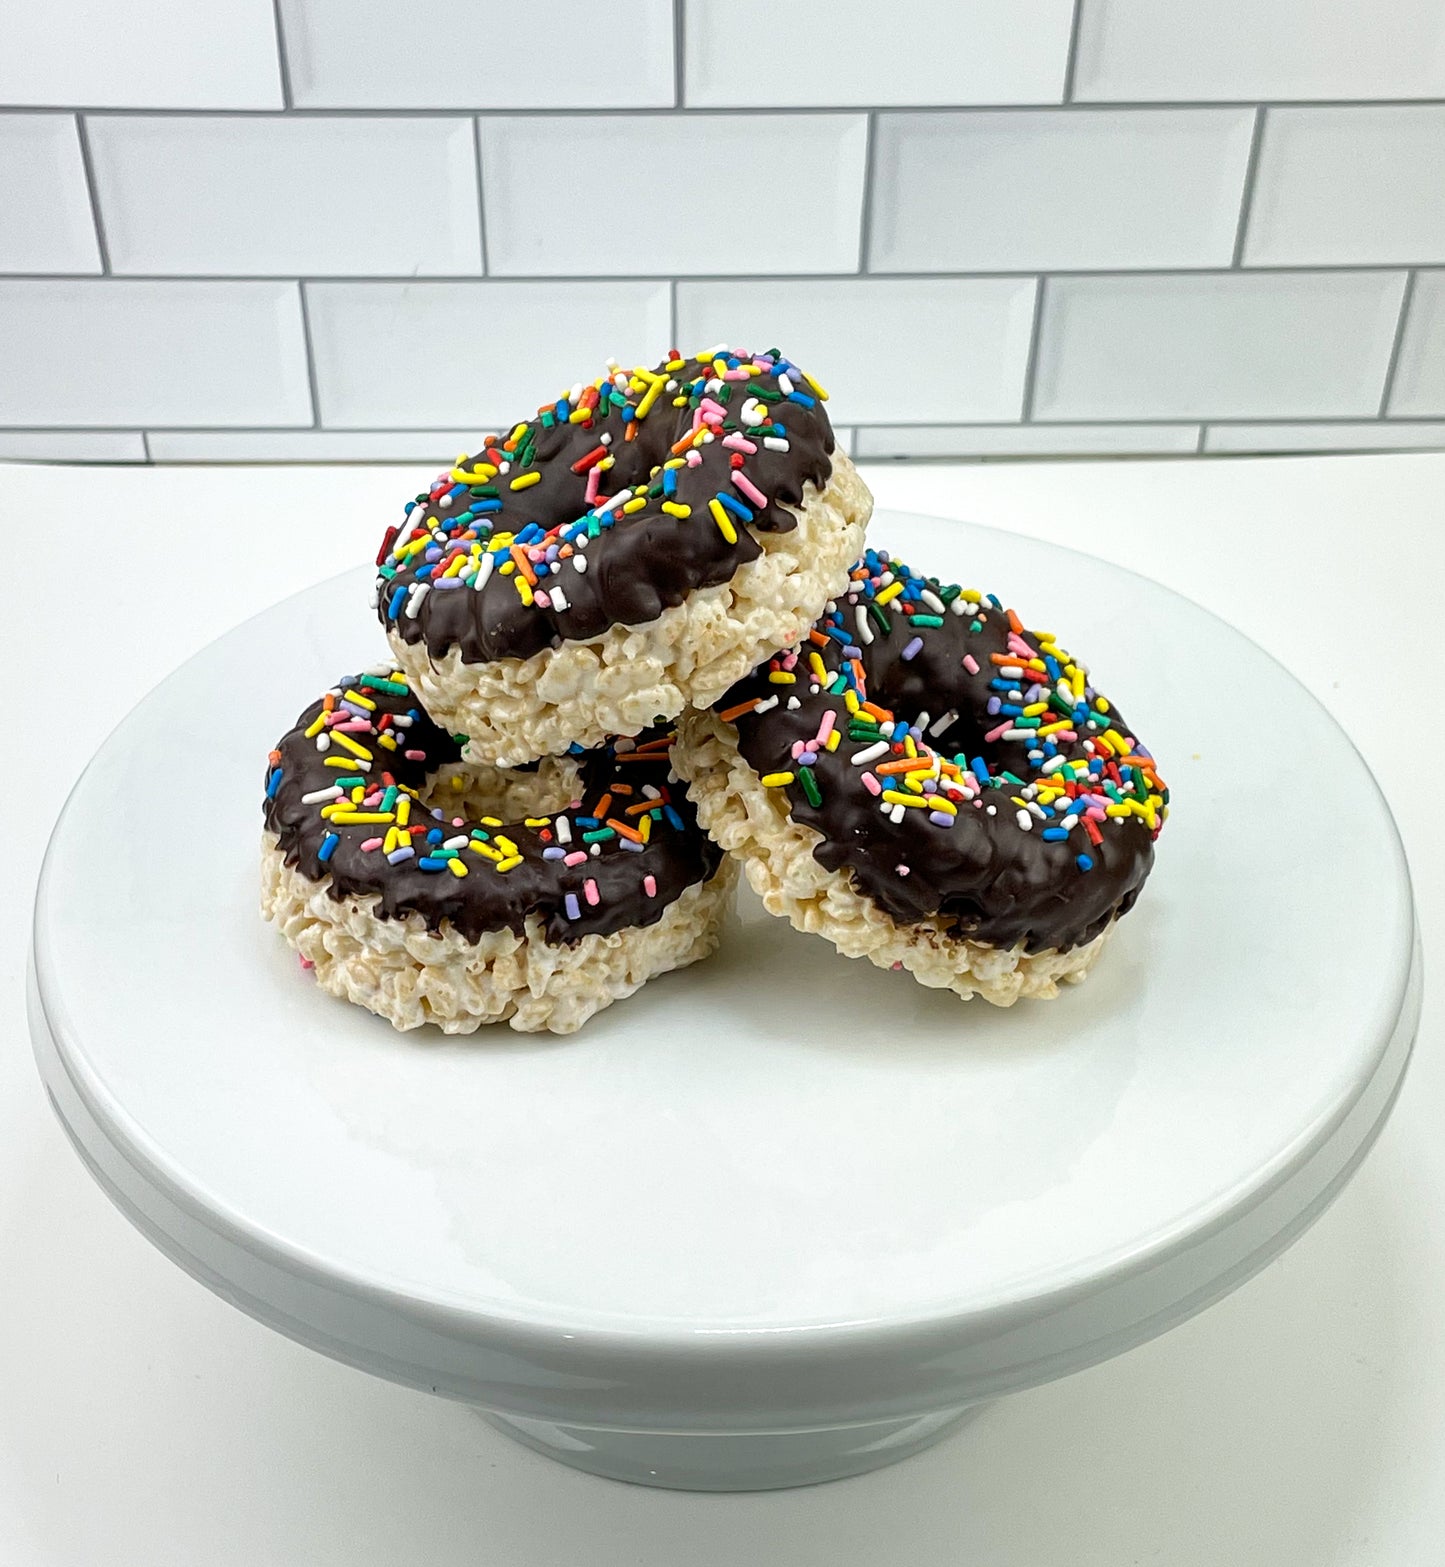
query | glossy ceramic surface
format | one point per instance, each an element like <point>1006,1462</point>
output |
<point>780,1194</point>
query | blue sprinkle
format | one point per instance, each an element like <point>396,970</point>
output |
<point>674,820</point>
<point>273,783</point>
<point>736,507</point>
<point>1053,834</point>
<point>979,768</point>
<point>435,835</point>
<point>393,608</point>
<point>564,410</point>
<point>430,863</point>
<point>669,481</point>
<point>803,398</point>
<point>1084,862</point>
<point>328,847</point>
<point>478,508</point>
<point>574,909</point>
<point>408,509</point>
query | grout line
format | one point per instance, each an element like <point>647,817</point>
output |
<point>1405,300</point>
<point>672,341</point>
<point>567,279</point>
<point>679,59</point>
<point>1026,414</point>
<point>283,58</point>
<point>481,194</point>
<point>1071,63</point>
<point>145,446</point>
<point>870,167</point>
<point>88,168</point>
<point>1251,174</point>
<point>1198,447</point>
<point>310,357</point>
<point>608,111</point>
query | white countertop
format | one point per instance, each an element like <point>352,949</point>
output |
<point>1298,1423</point>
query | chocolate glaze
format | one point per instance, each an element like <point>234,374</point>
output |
<point>647,561</point>
<point>996,882</point>
<point>675,856</point>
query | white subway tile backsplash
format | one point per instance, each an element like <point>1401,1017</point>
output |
<point>244,194</point>
<point>1183,50</point>
<point>1066,189</point>
<point>885,349</point>
<point>430,355</point>
<point>1420,374</point>
<point>143,54</point>
<point>713,193</point>
<point>126,353</point>
<point>45,222</point>
<point>312,445</point>
<point>1244,345</point>
<point>1349,185</point>
<point>813,53</point>
<point>1024,440</point>
<point>72,446</point>
<point>1381,435</point>
<point>458,54</point>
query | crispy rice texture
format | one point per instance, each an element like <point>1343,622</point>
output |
<point>752,823</point>
<point>411,975</point>
<point>618,683</point>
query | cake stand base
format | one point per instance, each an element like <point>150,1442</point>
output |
<point>734,1461</point>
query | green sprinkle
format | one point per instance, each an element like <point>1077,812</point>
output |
<point>810,786</point>
<point>391,687</point>
<point>975,625</point>
<point>925,620</point>
<point>601,835</point>
<point>884,624</point>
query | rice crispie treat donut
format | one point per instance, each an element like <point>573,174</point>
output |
<point>638,545</point>
<point>927,784</point>
<point>432,891</point>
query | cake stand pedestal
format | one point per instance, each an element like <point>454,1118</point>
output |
<point>781,1217</point>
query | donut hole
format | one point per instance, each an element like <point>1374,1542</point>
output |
<point>472,790</point>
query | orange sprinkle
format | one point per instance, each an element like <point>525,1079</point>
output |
<point>729,713</point>
<point>909,764</point>
<point>603,806</point>
<point>519,555</point>
<point>1015,624</point>
<point>818,639</point>
<point>623,829</point>
<point>273,757</point>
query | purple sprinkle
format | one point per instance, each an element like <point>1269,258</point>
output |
<point>552,852</point>
<point>940,818</point>
<point>574,909</point>
<point>914,648</point>
<point>398,855</point>
<point>807,758</point>
<point>993,706</point>
<point>630,846</point>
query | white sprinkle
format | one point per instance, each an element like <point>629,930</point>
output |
<point>932,600</point>
<point>775,443</point>
<point>401,720</point>
<point>921,722</point>
<point>785,386</point>
<point>896,814</point>
<point>605,439</point>
<point>1024,820</point>
<point>1053,764</point>
<point>793,705</point>
<point>419,591</point>
<point>558,597</point>
<point>959,607</point>
<point>991,809</point>
<point>484,571</point>
<point>318,795</point>
<point>865,631</point>
<point>941,723</point>
<point>564,830</point>
<point>595,850</point>
<point>579,564</point>
<point>870,754</point>
<point>323,741</point>
<point>458,841</point>
<point>376,593</point>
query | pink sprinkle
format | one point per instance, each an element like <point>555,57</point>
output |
<point>970,663</point>
<point>414,756</point>
<point>594,478</point>
<point>589,888</point>
<point>1002,729</point>
<point>799,746</point>
<point>896,966</point>
<point>746,485</point>
<point>826,728</point>
<point>739,443</point>
<point>306,962</point>
<point>871,784</point>
<point>902,870</point>
<point>577,857</point>
<point>711,406</point>
<point>790,660</point>
<point>736,375</point>
<point>649,886</point>
<point>370,844</point>
<point>694,457</point>
<point>542,597</point>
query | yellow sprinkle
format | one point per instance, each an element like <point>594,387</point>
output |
<point>1053,729</point>
<point>818,390</point>
<point>675,509</point>
<point>387,741</point>
<point>507,568</point>
<point>723,521</point>
<point>889,593</point>
<point>834,736</point>
<point>348,744</point>
<point>393,837</point>
<point>894,797</point>
<point>819,672</point>
<point>777,780</point>
<point>339,761</point>
<point>479,475</point>
<point>524,481</point>
<point>644,828</point>
<point>491,821</point>
<point>537,821</point>
<point>781,677</point>
<point>362,816</point>
<point>579,416</point>
<point>457,564</point>
<point>650,396</point>
<point>1116,810</point>
<point>524,588</point>
<point>506,865</point>
<point>484,849</point>
<point>850,701</point>
<point>361,701</point>
<point>403,810</point>
<point>1035,708</point>
<point>636,504</point>
<point>458,783</point>
<point>909,746</point>
<point>1101,704</point>
<point>505,844</point>
<point>456,867</point>
<point>941,802</point>
<point>317,726</point>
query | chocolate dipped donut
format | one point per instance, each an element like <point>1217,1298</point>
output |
<point>430,890</point>
<point>930,785</point>
<point>638,545</point>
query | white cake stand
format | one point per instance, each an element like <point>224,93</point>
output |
<point>782,1217</point>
